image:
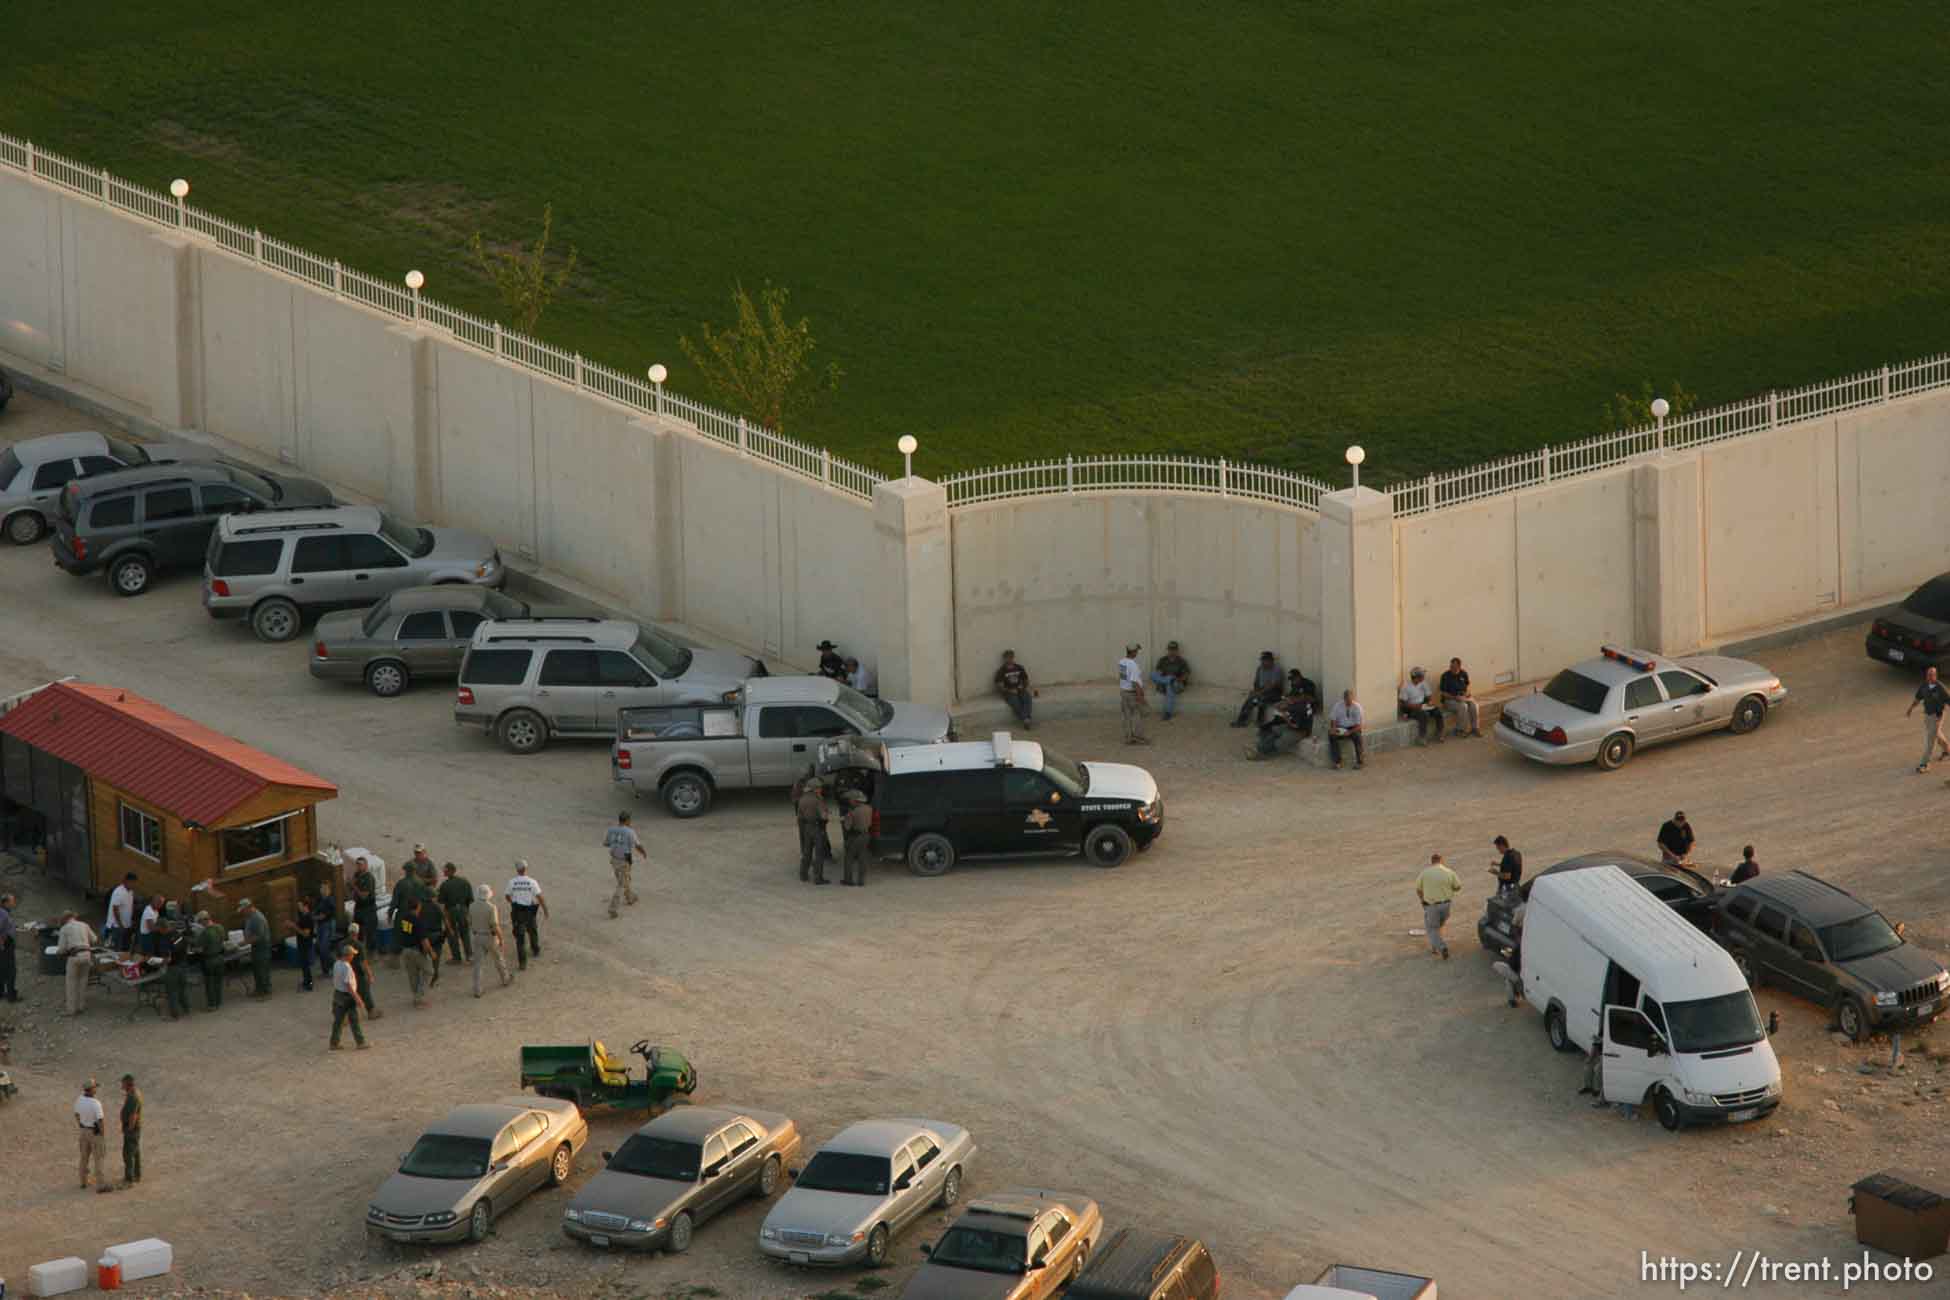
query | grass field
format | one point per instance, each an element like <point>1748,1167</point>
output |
<point>1446,230</point>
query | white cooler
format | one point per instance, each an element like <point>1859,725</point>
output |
<point>58,1276</point>
<point>150,1257</point>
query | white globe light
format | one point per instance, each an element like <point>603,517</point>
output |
<point>658,374</point>
<point>1356,454</point>
<point>414,280</point>
<point>1659,408</point>
<point>179,187</point>
<point>907,444</point>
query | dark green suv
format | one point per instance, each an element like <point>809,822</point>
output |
<point>134,523</point>
<point>1818,941</point>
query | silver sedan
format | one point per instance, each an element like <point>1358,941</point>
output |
<point>474,1165</point>
<point>1605,709</point>
<point>874,1179</point>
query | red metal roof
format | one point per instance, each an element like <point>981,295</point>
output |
<point>160,757</point>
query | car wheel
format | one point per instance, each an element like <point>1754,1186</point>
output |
<point>479,1220</point>
<point>930,854</point>
<point>559,1165</point>
<point>877,1246</point>
<point>1853,1020</point>
<point>768,1178</point>
<point>1076,1267</point>
<point>1557,1031</point>
<point>386,678</point>
<point>1667,1110</point>
<point>950,1188</point>
<point>1107,846</point>
<point>275,620</point>
<point>25,528</point>
<point>680,1233</point>
<point>687,794</point>
<point>1749,714</point>
<point>522,732</point>
<point>1615,752</point>
<point>130,576</point>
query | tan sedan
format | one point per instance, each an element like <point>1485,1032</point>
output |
<point>1026,1244</point>
<point>474,1165</point>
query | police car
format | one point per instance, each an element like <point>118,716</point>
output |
<point>997,798</point>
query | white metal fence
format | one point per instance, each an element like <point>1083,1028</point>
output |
<point>1071,474</point>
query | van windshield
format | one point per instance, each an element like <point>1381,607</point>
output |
<point>1714,1024</point>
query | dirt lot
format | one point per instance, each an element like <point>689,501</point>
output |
<point>1233,1036</point>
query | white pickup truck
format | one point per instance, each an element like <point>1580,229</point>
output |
<point>767,734</point>
<point>1346,1282</point>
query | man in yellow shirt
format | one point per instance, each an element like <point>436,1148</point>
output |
<point>1436,886</point>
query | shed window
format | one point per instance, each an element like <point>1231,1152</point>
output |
<point>141,833</point>
<point>246,846</point>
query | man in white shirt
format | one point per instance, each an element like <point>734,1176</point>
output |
<point>347,1003</point>
<point>1344,722</point>
<point>88,1117</point>
<point>861,678</point>
<point>121,915</point>
<point>1130,695</point>
<point>146,929</point>
<point>75,945</point>
<point>524,901</point>
<point>1415,696</point>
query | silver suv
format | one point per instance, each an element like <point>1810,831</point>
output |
<point>277,568</point>
<point>526,680</point>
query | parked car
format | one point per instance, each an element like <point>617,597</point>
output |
<point>34,470</point>
<point>526,682</point>
<point>1917,633</point>
<point>277,569</point>
<point>867,1184</point>
<point>677,1171</point>
<point>1605,961</point>
<point>1682,889</point>
<point>1349,1282</point>
<point>134,523</point>
<point>1818,941</point>
<point>416,632</point>
<point>767,735</point>
<point>1138,1264</point>
<point>1026,1244</point>
<point>475,1165</point>
<point>1001,797</point>
<point>1605,709</point>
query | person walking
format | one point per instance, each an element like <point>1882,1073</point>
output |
<point>408,889</point>
<point>1414,698</point>
<point>484,930</point>
<point>815,849</point>
<point>418,930</point>
<point>1012,684</point>
<point>1933,696</point>
<point>9,943</point>
<point>176,966</point>
<point>624,849</point>
<point>131,1132</point>
<point>456,899</point>
<point>303,931</point>
<point>93,1123</point>
<point>1675,840</point>
<point>1172,675</point>
<point>1436,886</point>
<point>362,971</point>
<point>210,943</point>
<point>1344,722</point>
<point>76,946</point>
<point>1508,867</point>
<point>347,1001</point>
<point>1459,703</point>
<point>324,926</point>
<point>365,904</point>
<point>525,900</point>
<point>257,933</point>
<point>856,830</point>
<point>1130,695</point>
<point>1748,867</point>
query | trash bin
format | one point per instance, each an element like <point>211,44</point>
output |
<point>1894,1213</point>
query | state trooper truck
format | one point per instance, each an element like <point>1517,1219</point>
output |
<point>998,798</point>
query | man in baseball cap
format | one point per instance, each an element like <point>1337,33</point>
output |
<point>1130,695</point>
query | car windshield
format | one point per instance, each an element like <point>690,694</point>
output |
<point>1931,600</point>
<point>252,481</point>
<point>375,616</point>
<point>416,542</point>
<point>1714,1024</point>
<point>991,1252</point>
<point>841,1171</point>
<point>499,606</point>
<point>1865,936</point>
<point>439,1155</point>
<point>1071,777</point>
<point>127,452</point>
<point>669,658</point>
<point>866,714</point>
<point>1578,691</point>
<point>655,1157</point>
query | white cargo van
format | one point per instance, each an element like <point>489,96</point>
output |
<point>1604,959</point>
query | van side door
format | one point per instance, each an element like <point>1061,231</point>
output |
<point>1630,1069</point>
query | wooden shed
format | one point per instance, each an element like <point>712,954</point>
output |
<point>117,783</point>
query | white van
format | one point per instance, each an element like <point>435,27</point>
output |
<point>1604,958</point>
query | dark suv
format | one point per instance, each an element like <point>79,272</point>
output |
<point>1810,938</point>
<point>1134,1264</point>
<point>134,523</point>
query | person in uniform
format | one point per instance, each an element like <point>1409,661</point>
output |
<point>365,902</point>
<point>76,946</point>
<point>324,927</point>
<point>175,933</point>
<point>856,830</point>
<point>525,899</point>
<point>9,989</point>
<point>456,899</point>
<point>257,933</point>
<point>830,663</point>
<point>418,931</point>
<point>210,941</point>
<point>815,850</point>
<point>88,1117</point>
<point>484,927</point>
<point>131,1132</point>
<point>303,931</point>
<point>408,889</point>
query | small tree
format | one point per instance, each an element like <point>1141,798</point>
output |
<point>762,363</point>
<point>522,274</point>
<point>1625,411</point>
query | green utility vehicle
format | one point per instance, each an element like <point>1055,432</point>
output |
<point>589,1076</point>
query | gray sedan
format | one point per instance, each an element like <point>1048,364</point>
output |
<point>474,1165</point>
<point>1605,709</point>
<point>677,1171</point>
<point>876,1178</point>
<point>34,470</point>
<point>415,632</point>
